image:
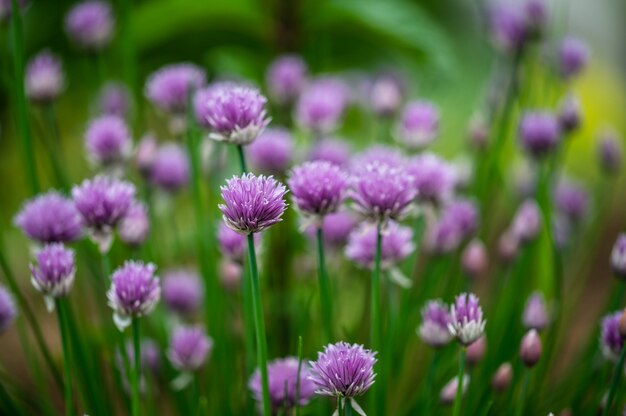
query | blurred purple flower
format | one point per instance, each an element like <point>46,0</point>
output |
<point>169,87</point>
<point>182,291</point>
<point>44,78</point>
<point>508,27</point>
<point>536,12</point>
<point>467,323</point>
<point>571,200</point>
<point>386,94</point>
<point>114,99</point>
<point>8,311</point>
<point>527,222</point>
<point>252,203</point>
<point>189,348</point>
<point>610,151</point>
<point>458,222</point>
<point>232,244</point>
<point>272,152</point>
<point>419,124</point>
<point>539,132</point>
<point>336,228</point>
<point>108,141</point>
<point>53,274</point>
<point>611,342</point>
<point>170,168</point>
<point>475,260</point>
<point>618,256</point>
<point>286,77</point>
<point>50,218</point>
<point>230,274</point>
<point>530,348</point>
<point>145,153</point>
<point>134,227</point>
<point>397,244</point>
<point>321,105</point>
<point>5,9</point>
<point>434,177</point>
<point>448,392</point>
<point>331,150</point>
<point>535,315</point>
<point>434,327</point>
<point>90,24</point>
<point>570,113</point>
<point>377,154</point>
<point>573,57</point>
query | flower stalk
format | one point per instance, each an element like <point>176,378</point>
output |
<point>325,295</point>
<point>67,363</point>
<point>615,381</point>
<point>136,367</point>
<point>456,410</point>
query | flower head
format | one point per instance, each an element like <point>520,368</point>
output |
<point>457,222</point>
<point>285,78</point>
<point>134,292</point>
<point>331,150</point>
<point>397,244</point>
<point>467,324</point>
<point>343,370</point>
<point>114,99</point>
<point>182,291</point>
<point>336,228</point>
<point>134,227</point>
<point>508,28</point>
<point>90,24</point>
<point>535,315</point>
<point>53,274</point>
<point>419,124</point>
<point>502,378</point>
<point>382,192</point>
<point>570,113</point>
<point>321,105</point>
<point>271,153</point>
<point>571,200</point>
<point>44,78</point>
<point>434,177</point>
<point>145,154</point>
<point>475,259</point>
<point>108,141</point>
<point>318,188</point>
<point>235,113</point>
<point>8,311</point>
<point>170,168</point>
<point>5,9</point>
<point>573,57</point>
<point>448,392</point>
<point>232,243</point>
<point>252,203</point>
<point>377,154</point>
<point>282,375</point>
<point>539,132</point>
<point>50,218</point>
<point>530,348</point>
<point>189,348</point>
<point>526,223</point>
<point>434,327</point>
<point>169,88</point>
<point>609,151</point>
<point>618,256</point>
<point>611,342</point>
<point>386,94</point>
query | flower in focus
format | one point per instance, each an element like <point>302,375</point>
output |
<point>182,291</point>
<point>618,256</point>
<point>50,218</point>
<point>331,150</point>
<point>108,141</point>
<point>90,24</point>
<point>282,375</point>
<point>434,177</point>
<point>134,227</point>
<point>434,327</point>
<point>169,88</point>
<point>170,168</point>
<point>467,323</point>
<point>189,348</point>
<point>134,292</point>
<point>235,113</point>
<point>114,99</point>
<point>53,274</point>
<point>535,315</point>
<point>419,124</point>
<point>252,203</point>
<point>8,311</point>
<point>285,78</point>
<point>610,151</point>
<point>321,105</point>
<point>271,153</point>
<point>539,132</point>
<point>611,341</point>
<point>44,78</point>
<point>397,244</point>
<point>343,370</point>
<point>573,57</point>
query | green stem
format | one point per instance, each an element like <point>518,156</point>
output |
<point>376,322</point>
<point>28,152</point>
<point>456,411</point>
<point>519,409</point>
<point>259,324</point>
<point>128,45</point>
<point>242,159</point>
<point>67,365</point>
<point>54,147</point>
<point>347,407</point>
<point>297,404</point>
<point>136,367</point>
<point>106,267</point>
<point>325,293</point>
<point>615,381</point>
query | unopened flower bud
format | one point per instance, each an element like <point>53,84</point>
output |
<point>448,392</point>
<point>476,351</point>
<point>475,259</point>
<point>502,378</point>
<point>530,348</point>
<point>508,247</point>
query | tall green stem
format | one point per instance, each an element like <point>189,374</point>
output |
<point>259,324</point>
<point>242,159</point>
<point>347,407</point>
<point>615,381</point>
<point>54,147</point>
<point>67,364</point>
<point>376,322</point>
<point>20,100</point>
<point>136,368</point>
<point>458,400</point>
<point>297,404</point>
<point>519,409</point>
<point>325,295</point>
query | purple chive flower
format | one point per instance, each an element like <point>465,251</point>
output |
<point>44,78</point>
<point>467,323</point>
<point>168,88</point>
<point>134,292</point>
<point>201,97</point>
<point>285,78</point>
<point>448,392</point>
<point>377,154</point>
<point>108,141</point>
<point>502,378</point>
<point>90,24</point>
<point>53,275</point>
<point>114,99</point>
<point>573,57</point>
<point>337,227</point>
<point>570,113</point>
<point>535,315</point>
<point>527,222</point>
<point>134,227</point>
<point>50,218</point>
<point>475,260</point>
<point>252,203</point>
<point>282,376</point>
<point>321,105</point>
<point>343,370</point>
<point>611,342</point>
<point>381,192</point>
<point>508,28</point>
<point>530,348</point>
<point>5,9</point>
<point>386,95</point>
<point>232,243</point>
<point>434,177</point>
<point>539,132</point>
<point>149,356</point>
<point>189,348</point>
<point>318,188</point>
<point>397,244</point>
<point>103,202</point>
<point>331,150</point>
<point>434,327</point>
<point>145,153</point>
<point>618,256</point>
<point>8,311</point>
<point>182,291</point>
<point>476,351</point>
<point>458,222</point>
<point>235,113</point>
<point>571,200</point>
<point>271,153</point>
<point>478,133</point>
<point>610,151</point>
<point>536,17</point>
<point>170,168</point>
<point>419,124</point>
